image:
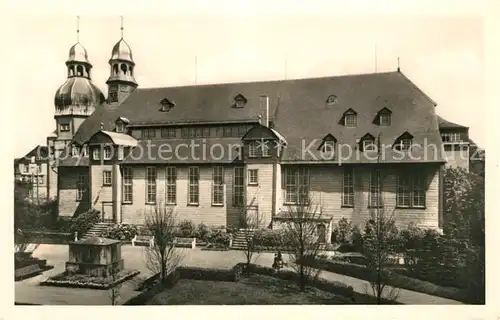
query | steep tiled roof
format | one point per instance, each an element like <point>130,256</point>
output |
<point>298,109</point>
<point>445,124</point>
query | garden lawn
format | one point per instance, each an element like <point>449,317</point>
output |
<point>256,289</point>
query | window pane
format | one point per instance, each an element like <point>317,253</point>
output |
<point>348,187</point>
<point>193,185</point>
<point>403,195</point>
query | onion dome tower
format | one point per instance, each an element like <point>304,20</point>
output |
<point>121,81</point>
<point>78,97</point>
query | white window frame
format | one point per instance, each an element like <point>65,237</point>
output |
<point>148,133</point>
<point>375,192</point>
<point>253,177</point>
<point>193,186</point>
<point>81,181</point>
<point>328,146</point>
<point>265,149</point>
<point>451,137</point>
<point>252,149</point>
<point>75,151</point>
<point>64,127</point>
<point>297,185</point>
<point>96,153</point>
<point>350,120</point>
<point>218,185</point>
<point>403,191</point>
<point>171,185</point>
<point>369,145</point>
<point>151,187</point>
<point>405,143</point>
<point>168,132</point>
<point>107,153</point>
<point>107,178</point>
<point>239,187</point>
<point>121,154</point>
<point>120,127</point>
<point>127,181</point>
<point>348,187</point>
<point>385,119</point>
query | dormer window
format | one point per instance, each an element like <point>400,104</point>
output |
<point>383,117</point>
<point>252,150</point>
<point>404,142</point>
<point>64,127</point>
<point>367,143</point>
<point>120,127</point>
<point>96,154</point>
<point>239,101</point>
<point>332,99</point>
<point>349,119</point>
<point>166,105</point>
<point>327,146</point>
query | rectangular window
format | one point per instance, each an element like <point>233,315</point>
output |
<point>375,189</point>
<point>385,119</point>
<point>148,133</point>
<point>418,191</point>
<point>64,127</point>
<point>185,132</point>
<point>106,178</point>
<point>252,149</point>
<point>218,132</point>
<point>75,151</point>
<point>127,185</point>
<point>194,185</point>
<point>348,187</point>
<point>218,185</point>
<point>328,146</point>
<point>120,127</point>
<point>239,187</point>
<point>40,180</point>
<point>404,193</point>
<point>26,168</point>
<point>253,176</point>
<point>405,144</point>
<point>451,137</point>
<point>171,181</point>
<point>168,132</point>
<point>107,153</point>
<point>228,132</point>
<point>151,185</point>
<point>368,145</point>
<point>350,120</point>
<point>96,155</point>
<point>265,148</point>
<point>296,185</point>
<point>81,186</point>
<point>120,153</point>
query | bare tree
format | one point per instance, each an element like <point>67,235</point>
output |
<point>114,290</point>
<point>162,257</point>
<point>250,222</point>
<point>301,236</point>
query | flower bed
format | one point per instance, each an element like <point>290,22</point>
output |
<point>50,237</point>
<point>211,274</point>
<point>84,281</point>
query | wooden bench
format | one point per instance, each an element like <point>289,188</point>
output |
<point>144,240</point>
<point>185,242</point>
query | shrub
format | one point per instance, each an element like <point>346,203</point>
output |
<point>120,232</point>
<point>357,239</point>
<point>220,238</point>
<point>203,232</point>
<point>83,222</point>
<point>186,229</point>
<point>342,233</point>
<point>268,238</point>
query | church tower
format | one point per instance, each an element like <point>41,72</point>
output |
<point>77,98</point>
<point>121,81</point>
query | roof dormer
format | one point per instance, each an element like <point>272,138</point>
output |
<point>166,105</point>
<point>383,117</point>
<point>404,141</point>
<point>331,100</point>
<point>239,101</point>
<point>120,124</point>
<point>349,118</point>
<point>328,143</point>
<point>367,143</point>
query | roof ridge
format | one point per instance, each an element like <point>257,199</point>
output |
<point>267,81</point>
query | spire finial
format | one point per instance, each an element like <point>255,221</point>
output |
<point>398,66</point>
<point>121,28</point>
<point>77,28</point>
<point>102,125</point>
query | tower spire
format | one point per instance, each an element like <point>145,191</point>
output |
<point>77,28</point>
<point>398,66</point>
<point>121,28</point>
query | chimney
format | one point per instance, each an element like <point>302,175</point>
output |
<point>264,102</point>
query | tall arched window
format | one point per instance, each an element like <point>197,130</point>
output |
<point>115,69</point>
<point>79,71</point>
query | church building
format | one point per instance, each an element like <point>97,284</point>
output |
<point>348,144</point>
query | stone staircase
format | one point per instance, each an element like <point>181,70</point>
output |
<point>239,242</point>
<point>97,229</point>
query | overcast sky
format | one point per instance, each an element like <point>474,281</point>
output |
<point>442,55</point>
